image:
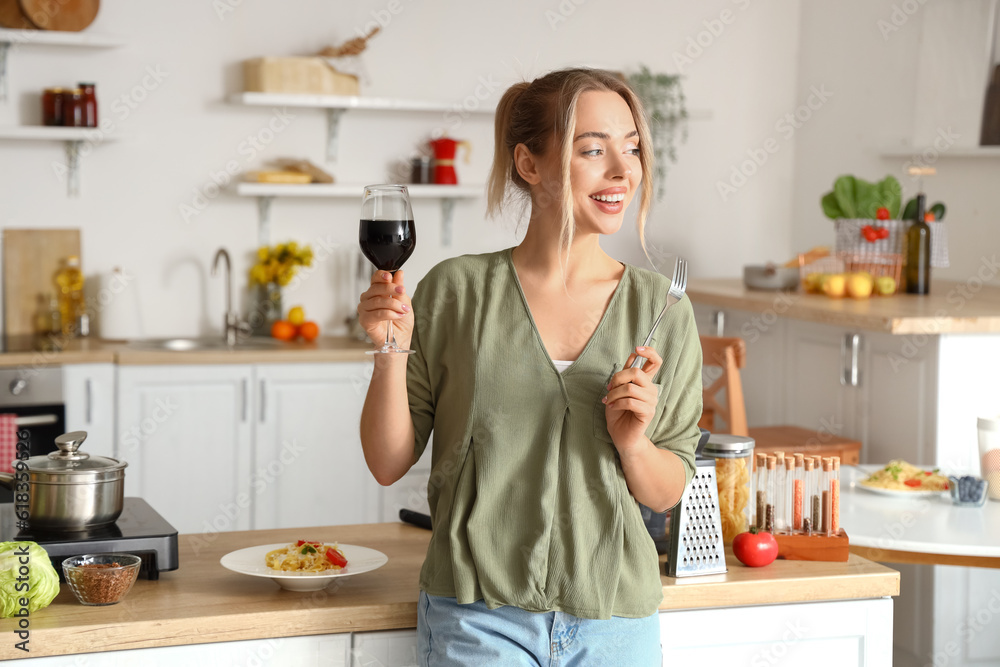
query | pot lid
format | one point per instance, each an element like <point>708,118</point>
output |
<point>70,459</point>
<point>725,446</point>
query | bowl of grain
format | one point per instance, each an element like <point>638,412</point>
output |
<point>101,579</point>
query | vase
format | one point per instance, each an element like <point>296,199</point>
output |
<point>267,309</point>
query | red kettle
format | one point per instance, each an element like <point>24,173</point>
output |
<point>444,159</point>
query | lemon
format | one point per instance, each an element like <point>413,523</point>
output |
<point>297,315</point>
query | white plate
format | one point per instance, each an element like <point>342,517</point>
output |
<point>251,561</point>
<point>915,493</point>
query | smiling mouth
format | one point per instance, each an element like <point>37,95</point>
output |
<point>611,199</point>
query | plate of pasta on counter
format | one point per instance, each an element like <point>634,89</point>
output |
<point>905,480</point>
<point>304,565</point>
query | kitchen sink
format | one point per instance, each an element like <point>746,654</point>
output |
<point>197,344</point>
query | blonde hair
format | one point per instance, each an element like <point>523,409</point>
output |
<point>542,115</point>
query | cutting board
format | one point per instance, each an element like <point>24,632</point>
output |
<point>30,260</point>
<point>11,16</point>
<point>68,15</point>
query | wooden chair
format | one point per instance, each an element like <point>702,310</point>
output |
<point>729,355</point>
<point>729,415</point>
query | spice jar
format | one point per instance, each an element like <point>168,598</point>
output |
<point>52,106</point>
<point>89,104</point>
<point>73,108</point>
<point>732,454</point>
<point>420,170</point>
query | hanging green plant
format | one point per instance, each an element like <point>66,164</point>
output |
<point>663,97</point>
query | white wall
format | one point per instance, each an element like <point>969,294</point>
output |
<point>898,77</point>
<point>182,131</point>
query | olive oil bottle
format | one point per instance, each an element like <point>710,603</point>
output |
<point>918,252</point>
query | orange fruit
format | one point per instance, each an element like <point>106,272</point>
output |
<point>283,330</point>
<point>309,330</point>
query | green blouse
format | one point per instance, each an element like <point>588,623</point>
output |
<point>527,494</point>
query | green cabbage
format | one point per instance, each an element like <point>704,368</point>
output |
<point>40,586</point>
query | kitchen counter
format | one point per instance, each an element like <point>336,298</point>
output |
<point>203,602</point>
<point>950,308</point>
<point>917,529</point>
<point>20,353</point>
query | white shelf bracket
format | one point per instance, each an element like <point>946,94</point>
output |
<point>73,168</point>
<point>447,211</point>
<point>332,133</point>
<point>264,220</point>
<point>4,50</point>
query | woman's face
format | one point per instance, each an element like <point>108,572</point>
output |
<point>604,167</point>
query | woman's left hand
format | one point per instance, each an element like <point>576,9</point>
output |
<point>631,402</point>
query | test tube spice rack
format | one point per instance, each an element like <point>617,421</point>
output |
<point>798,501</point>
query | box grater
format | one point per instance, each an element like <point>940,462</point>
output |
<point>696,527</point>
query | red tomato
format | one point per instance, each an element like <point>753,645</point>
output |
<point>883,232</point>
<point>870,233</point>
<point>755,548</point>
<point>913,482</point>
<point>335,557</point>
<point>882,213</point>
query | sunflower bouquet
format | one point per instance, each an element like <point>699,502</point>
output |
<point>278,264</point>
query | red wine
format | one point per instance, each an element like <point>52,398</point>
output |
<point>388,243</point>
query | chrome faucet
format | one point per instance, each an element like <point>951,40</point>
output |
<point>232,326</point>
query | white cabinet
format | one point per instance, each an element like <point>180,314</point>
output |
<point>389,648</point>
<point>239,447</point>
<point>763,377</point>
<point>310,469</point>
<point>877,388</point>
<point>89,396</point>
<point>821,634</point>
<point>186,432</point>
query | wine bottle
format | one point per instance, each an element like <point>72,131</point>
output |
<point>918,252</point>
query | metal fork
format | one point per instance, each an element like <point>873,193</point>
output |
<point>678,283</point>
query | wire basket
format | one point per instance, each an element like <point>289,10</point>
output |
<point>851,239</point>
<point>877,264</point>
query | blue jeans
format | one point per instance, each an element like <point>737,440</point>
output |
<point>449,633</point>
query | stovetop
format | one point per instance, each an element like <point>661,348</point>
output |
<point>140,530</point>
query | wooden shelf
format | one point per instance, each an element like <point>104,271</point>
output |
<point>72,137</point>
<point>266,192</point>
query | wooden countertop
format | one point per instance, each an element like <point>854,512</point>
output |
<point>203,602</point>
<point>94,351</point>
<point>950,307</point>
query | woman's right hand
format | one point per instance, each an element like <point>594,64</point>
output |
<point>386,300</point>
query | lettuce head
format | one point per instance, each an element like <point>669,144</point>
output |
<point>40,586</point>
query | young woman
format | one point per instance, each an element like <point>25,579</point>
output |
<point>544,438</point>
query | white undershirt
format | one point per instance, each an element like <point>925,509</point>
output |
<point>561,365</point>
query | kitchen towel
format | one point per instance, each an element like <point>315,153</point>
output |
<point>8,441</point>
<point>118,304</point>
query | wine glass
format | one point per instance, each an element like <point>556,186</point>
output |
<point>387,238</point>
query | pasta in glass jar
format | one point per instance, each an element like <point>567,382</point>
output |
<point>732,456</point>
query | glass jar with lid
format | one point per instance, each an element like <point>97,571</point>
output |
<point>52,106</point>
<point>733,465</point>
<point>73,108</point>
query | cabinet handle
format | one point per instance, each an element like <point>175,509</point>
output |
<point>246,399</point>
<point>719,322</point>
<point>263,400</point>
<point>851,375</point>
<point>89,389</point>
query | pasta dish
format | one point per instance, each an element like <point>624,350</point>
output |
<point>899,475</point>
<point>305,556</point>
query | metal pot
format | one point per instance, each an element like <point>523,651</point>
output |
<point>70,490</point>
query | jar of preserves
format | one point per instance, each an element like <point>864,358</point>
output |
<point>733,465</point>
<point>89,104</point>
<point>73,108</point>
<point>52,106</point>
